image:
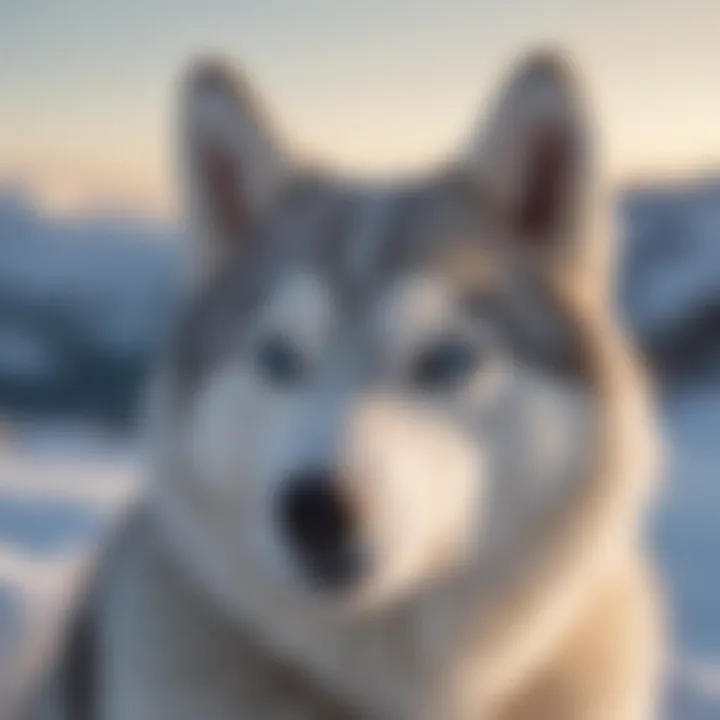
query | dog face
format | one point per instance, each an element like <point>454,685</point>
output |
<point>375,386</point>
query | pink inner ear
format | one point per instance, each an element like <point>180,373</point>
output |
<point>223,187</point>
<point>546,183</point>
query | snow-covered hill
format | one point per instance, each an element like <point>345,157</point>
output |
<point>670,281</point>
<point>83,304</point>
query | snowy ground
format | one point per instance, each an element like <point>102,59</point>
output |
<point>687,539</point>
<point>59,491</point>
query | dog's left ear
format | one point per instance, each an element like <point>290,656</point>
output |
<point>232,164</point>
<point>534,159</point>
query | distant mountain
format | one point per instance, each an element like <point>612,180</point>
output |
<point>84,303</point>
<point>670,283</point>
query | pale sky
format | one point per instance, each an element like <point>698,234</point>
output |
<point>86,86</point>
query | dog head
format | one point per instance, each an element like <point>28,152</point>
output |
<point>375,385</point>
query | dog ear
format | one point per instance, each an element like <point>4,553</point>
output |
<point>231,164</point>
<point>533,160</point>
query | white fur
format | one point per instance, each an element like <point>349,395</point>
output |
<point>246,438</point>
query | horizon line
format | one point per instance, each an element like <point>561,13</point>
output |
<point>132,207</point>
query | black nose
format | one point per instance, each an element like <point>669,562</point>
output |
<point>318,523</point>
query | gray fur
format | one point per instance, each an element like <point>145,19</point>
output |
<point>362,241</point>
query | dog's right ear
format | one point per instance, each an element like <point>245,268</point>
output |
<point>232,166</point>
<point>535,158</point>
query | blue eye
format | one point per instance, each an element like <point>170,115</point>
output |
<point>445,364</point>
<point>279,362</point>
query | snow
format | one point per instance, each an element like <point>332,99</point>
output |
<point>56,503</point>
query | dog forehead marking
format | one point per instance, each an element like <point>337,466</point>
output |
<point>414,304</point>
<point>369,234</point>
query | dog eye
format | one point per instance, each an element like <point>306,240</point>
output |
<point>445,364</point>
<point>280,362</point>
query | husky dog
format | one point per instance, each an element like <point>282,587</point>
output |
<point>400,447</point>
